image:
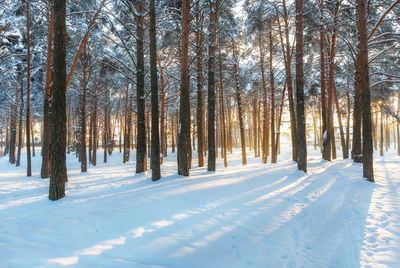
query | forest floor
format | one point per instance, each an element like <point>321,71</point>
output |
<point>241,216</point>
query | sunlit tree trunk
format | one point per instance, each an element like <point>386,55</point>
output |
<point>141,157</point>
<point>58,174</point>
<point>301,123</point>
<point>367,155</point>
<point>211,87</point>
<point>239,103</point>
<point>155,138</point>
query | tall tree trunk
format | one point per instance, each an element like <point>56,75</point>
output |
<point>342,137</point>
<point>28,95</point>
<point>32,135</point>
<point>348,118</point>
<point>94,157</point>
<point>326,145</point>
<point>368,169</point>
<point>398,125</point>
<point>13,126</point>
<point>84,82</point>
<point>141,157</point>
<point>356,153</point>
<point>301,123</point>
<point>20,125</point>
<point>199,79</point>
<point>239,103</point>
<point>272,83</point>
<point>48,92</point>
<point>222,106</point>
<point>155,138</point>
<point>58,173</point>
<point>293,127</point>
<point>211,87</point>
<point>265,112</point>
<point>184,147</point>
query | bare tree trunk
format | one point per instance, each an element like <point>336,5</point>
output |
<point>20,126</point>
<point>342,138</point>
<point>272,83</point>
<point>13,126</point>
<point>58,174</point>
<point>293,127</point>
<point>28,95</point>
<point>155,138</point>
<point>356,153</point>
<point>32,137</point>
<point>398,125</point>
<point>84,82</point>
<point>265,113</point>
<point>211,87</point>
<point>184,147</point>
<point>199,68</point>
<point>326,145</point>
<point>301,123</point>
<point>94,157</point>
<point>239,103</point>
<point>368,170</point>
<point>141,157</point>
<point>45,168</point>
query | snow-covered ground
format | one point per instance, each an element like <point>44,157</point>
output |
<point>241,216</point>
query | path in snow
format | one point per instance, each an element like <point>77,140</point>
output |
<point>241,216</point>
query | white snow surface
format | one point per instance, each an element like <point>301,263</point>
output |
<point>242,216</point>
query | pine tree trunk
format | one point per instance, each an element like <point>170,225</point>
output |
<point>367,155</point>
<point>48,90</point>
<point>20,126</point>
<point>184,147</point>
<point>272,84</point>
<point>28,95</point>
<point>356,153</point>
<point>211,87</point>
<point>326,145</point>
<point>348,117</point>
<point>155,139</point>
<point>293,127</point>
<point>398,125</point>
<point>32,136</point>
<point>141,157</point>
<point>301,123</point>
<point>342,138</point>
<point>58,173</point>
<point>265,112</point>
<point>199,79</point>
<point>83,112</point>
<point>239,103</point>
<point>94,157</point>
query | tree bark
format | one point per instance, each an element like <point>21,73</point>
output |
<point>239,103</point>
<point>84,82</point>
<point>211,87</point>
<point>141,157</point>
<point>301,123</point>
<point>155,139</point>
<point>28,95</point>
<point>45,168</point>
<point>199,80</point>
<point>368,170</point>
<point>293,127</point>
<point>184,146</point>
<point>272,84</point>
<point>58,174</point>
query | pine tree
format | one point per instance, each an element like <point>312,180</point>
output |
<point>58,174</point>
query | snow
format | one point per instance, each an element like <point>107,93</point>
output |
<point>241,216</point>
